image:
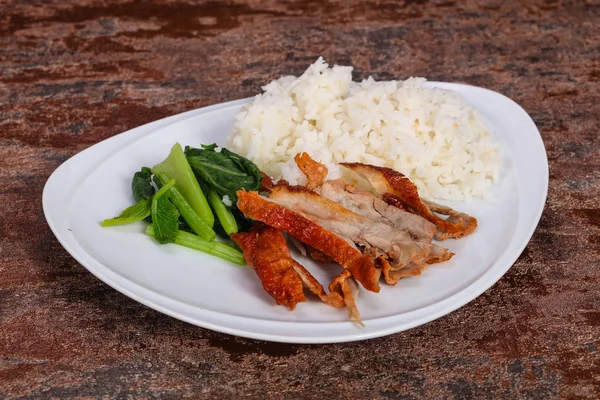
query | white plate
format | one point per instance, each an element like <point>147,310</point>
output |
<point>205,291</point>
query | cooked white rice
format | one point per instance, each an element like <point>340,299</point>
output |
<point>430,135</point>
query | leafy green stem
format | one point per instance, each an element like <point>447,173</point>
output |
<point>217,249</point>
<point>176,166</point>
<point>224,215</point>
<point>187,212</point>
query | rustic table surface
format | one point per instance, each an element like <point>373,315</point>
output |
<point>74,74</point>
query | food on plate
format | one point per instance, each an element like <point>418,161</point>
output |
<point>382,230</point>
<point>354,227</point>
<point>222,170</point>
<point>429,134</point>
<point>334,168</point>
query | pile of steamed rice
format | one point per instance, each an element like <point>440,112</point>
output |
<point>430,135</point>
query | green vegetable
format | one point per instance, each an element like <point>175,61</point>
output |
<point>136,212</point>
<point>224,215</point>
<point>157,181</point>
<point>183,226</point>
<point>175,166</point>
<point>215,248</point>
<point>141,185</point>
<point>165,217</point>
<point>223,171</point>
<point>190,216</point>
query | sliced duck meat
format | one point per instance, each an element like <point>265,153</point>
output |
<point>386,182</point>
<point>374,238</point>
<point>339,249</point>
<point>368,205</point>
<point>265,250</point>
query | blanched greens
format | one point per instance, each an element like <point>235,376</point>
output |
<point>171,196</point>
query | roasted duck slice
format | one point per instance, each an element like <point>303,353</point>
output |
<point>368,205</point>
<point>314,171</point>
<point>386,182</point>
<point>265,249</point>
<point>340,250</point>
<point>375,238</point>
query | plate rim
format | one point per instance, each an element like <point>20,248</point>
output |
<point>461,297</point>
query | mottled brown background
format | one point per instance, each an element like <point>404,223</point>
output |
<point>73,74</point>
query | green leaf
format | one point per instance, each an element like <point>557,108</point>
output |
<point>136,212</point>
<point>141,185</point>
<point>175,166</point>
<point>223,171</point>
<point>165,217</point>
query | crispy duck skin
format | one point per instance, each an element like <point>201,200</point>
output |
<point>264,210</point>
<point>345,286</point>
<point>334,298</point>
<point>266,251</point>
<point>392,276</point>
<point>374,238</point>
<point>386,181</point>
<point>267,184</point>
<point>314,171</point>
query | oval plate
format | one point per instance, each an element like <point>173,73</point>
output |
<point>211,293</point>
